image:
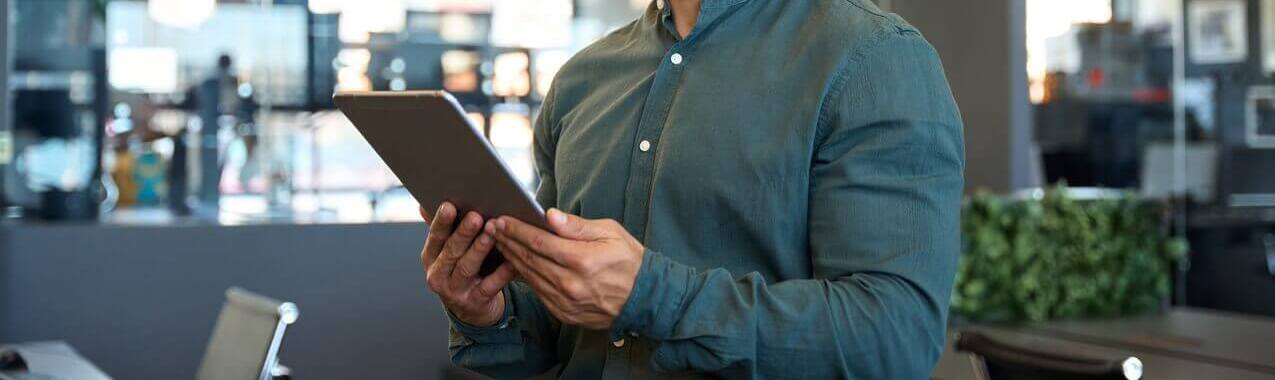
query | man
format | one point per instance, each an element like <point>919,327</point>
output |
<point>740,189</point>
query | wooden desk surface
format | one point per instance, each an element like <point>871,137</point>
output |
<point>957,366</point>
<point>1233,340</point>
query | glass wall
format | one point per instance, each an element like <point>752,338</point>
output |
<point>221,110</point>
<point>1173,99</point>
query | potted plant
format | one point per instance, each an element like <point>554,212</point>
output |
<point>1054,255</point>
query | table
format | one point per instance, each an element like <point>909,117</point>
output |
<point>1233,340</point>
<point>1183,343</point>
<point>56,359</point>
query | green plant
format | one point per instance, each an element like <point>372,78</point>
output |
<point>1059,257</point>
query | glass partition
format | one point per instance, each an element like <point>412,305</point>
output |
<point>1172,99</point>
<point>220,111</point>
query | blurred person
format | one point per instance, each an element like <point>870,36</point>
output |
<point>222,102</point>
<point>737,189</point>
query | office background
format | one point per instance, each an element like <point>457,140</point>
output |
<point>154,153</point>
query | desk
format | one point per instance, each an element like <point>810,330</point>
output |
<point>55,359</point>
<point>1233,340</point>
<point>1181,344</point>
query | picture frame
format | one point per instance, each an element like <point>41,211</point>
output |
<point>1217,31</point>
<point>1260,117</point>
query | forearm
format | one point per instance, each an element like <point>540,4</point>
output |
<point>520,346</point>
<point>865,325</point>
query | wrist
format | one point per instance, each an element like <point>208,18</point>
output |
<point>489,317</point>
<point>655,304</point>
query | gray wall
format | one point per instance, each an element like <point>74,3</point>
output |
<point>141,301</point>
<point>982,44</point>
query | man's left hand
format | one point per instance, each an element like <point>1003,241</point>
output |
<point>583,270</point>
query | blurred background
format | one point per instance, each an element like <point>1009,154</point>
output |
<point>153,153</point>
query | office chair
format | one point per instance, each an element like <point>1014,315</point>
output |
<point>997,360</point>
<point>245,342</point>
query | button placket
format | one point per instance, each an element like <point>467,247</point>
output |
<point>650,128</point>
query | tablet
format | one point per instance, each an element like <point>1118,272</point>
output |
<point>426,140</point>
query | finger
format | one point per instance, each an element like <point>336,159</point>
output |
<point>537,241</point>
<point>425,214</point>
<point>526,264</point>
<point>459,242</point>
<point>574,227</point>
<point>439,230</point>
<point>550,295</point>
<point>472,261</point>
<point>494,282</point>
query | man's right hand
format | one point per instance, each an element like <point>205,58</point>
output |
<point>452,258</point>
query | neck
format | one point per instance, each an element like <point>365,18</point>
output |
<point>685,14</point>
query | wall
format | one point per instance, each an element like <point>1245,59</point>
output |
<point>140,302</point>
<point>983,47</point>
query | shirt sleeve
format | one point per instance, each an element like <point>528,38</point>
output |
<point>524,343</point>
<point>886,184</point>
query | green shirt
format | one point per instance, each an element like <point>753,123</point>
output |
<point>794,169</point>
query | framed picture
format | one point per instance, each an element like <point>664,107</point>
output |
<point>1260,118</point>
<point>1268,36</point>
<point>1217,31</point>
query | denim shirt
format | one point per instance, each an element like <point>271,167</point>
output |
<point>794,169</point>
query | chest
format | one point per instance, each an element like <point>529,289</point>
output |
<point>702,127</point>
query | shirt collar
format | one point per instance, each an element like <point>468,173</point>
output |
<point>710,11</point>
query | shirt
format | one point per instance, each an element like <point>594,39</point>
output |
<point>794,169</point>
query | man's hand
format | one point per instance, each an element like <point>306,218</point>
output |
<point>452,257</point>
<point>583,271</point>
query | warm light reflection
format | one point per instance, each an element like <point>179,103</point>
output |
<point>351,70</point>
<point>1048,19</point>
<point>510,129</point>
<point>511,77</point>
<point>460,71</point>
<point>477,120</point>
<point>547,65</point>
<point>512,136</point>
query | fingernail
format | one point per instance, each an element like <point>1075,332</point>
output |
<point>500,224</point>
<point>484,239</point>
<point>556,216</point>
<point>490,227</point>
<point>445,209</point>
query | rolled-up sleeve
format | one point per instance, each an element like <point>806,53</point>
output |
<point>886,183</point>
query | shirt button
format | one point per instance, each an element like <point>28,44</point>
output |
<point>644,145</point>
<point>618,343</point>
<point>676,58</point>
<point>633,334</point>
<point>659,4</point>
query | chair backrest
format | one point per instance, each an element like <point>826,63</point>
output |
<point>245,342</point>
<point>997,360</point>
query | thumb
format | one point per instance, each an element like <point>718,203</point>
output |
<point>573,227</point>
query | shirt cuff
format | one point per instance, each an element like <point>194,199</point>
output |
<point>503,332</point>
<point>655,304</point>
